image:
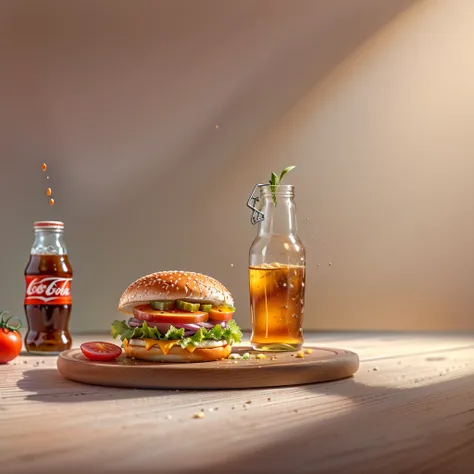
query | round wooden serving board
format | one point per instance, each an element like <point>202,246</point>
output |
<point>278,369</point>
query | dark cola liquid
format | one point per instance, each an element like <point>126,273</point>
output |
<point>48,323</point>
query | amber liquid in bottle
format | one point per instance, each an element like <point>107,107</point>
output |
<point>277,305</point>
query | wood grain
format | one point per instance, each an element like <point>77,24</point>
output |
<point>277,370</point>
<point>408,409</point>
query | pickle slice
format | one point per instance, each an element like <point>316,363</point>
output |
<point>206,307</point>
<point>187,306</point>
<point>162,305</point>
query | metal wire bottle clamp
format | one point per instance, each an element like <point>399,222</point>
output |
<point>257,216</point>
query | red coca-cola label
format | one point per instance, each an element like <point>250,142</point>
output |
<point>46,289</point>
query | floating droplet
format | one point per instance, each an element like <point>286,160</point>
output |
<point>231,264</point>
<point>44,167</point>
<point>51,202</point>
<point>217,126</point>
<point>48,192</point>
<point>47,177</point>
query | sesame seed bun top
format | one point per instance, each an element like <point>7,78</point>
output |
<point>174,285</point>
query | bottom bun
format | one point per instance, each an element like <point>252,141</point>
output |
<point>178,354</point>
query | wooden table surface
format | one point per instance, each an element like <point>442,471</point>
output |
<point>409,409</point>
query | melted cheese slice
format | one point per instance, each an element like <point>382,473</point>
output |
<point>149,343</point>
<point>166,346</point>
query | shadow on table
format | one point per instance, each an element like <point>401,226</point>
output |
<point>373,429</point>
<point>25,353</point>
<point>48,385</point>
<point>361,429</point>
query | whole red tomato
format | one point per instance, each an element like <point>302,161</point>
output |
<point>10,340</point>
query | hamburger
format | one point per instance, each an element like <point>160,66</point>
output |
<point>177,316</point>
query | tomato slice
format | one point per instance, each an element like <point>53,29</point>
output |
<point>96,350</point>
<point>145,312</point>
<point>222,313</point>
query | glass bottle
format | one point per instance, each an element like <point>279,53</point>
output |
<point>277,272</point>
<point>48,302</point>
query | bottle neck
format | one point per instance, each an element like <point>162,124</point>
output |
<point>49,242</point>
<point>279,211</point>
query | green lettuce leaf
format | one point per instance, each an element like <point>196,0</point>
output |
<point>199,336</point>
<point>174,333</point>
<point>147,332</point>
<point>216,332</point>
<point>231,333</point>
<point>122,329</point>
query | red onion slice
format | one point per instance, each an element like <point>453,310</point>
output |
<point>162,327</point>
<point>214,322</point>
<point>189,327</point>
<point>206,325</point>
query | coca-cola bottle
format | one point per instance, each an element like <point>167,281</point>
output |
<point>48,302</point>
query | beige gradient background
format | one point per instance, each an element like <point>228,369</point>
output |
<point>372,100</point>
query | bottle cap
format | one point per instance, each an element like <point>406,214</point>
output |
<point>48,225</point>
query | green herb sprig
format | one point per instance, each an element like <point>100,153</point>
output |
<point>275,181</point>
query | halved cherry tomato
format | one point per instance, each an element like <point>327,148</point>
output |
<point>222,313</point>
<point>96,350</point>
<point>145,312</point>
